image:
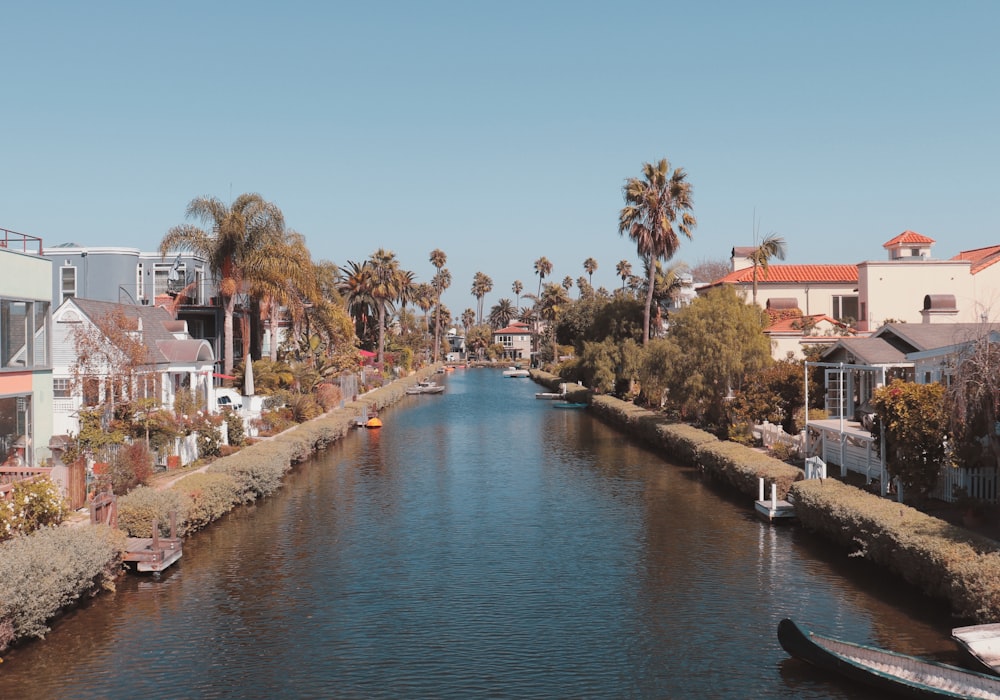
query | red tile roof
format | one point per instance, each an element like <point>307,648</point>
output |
<point>908,238</point>
<point>794,324</point>
<point>846,274</point>
<point>514,329</point>
<point>981,258</point>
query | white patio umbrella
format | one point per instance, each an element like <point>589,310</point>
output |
<point>248,378</point>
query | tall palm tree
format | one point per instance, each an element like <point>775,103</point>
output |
<point>773,246</point>
<point>423,297</point>
<point>385,290</point>
<point>440,283</point>
<point>502,313</point>
<point>234,232</point>
<point>355,287</point>
<point>517,288</point>
<point>590,267</point>
<point>481,286</point>
<point>657,208</point>
<point>624,269</point>
<point>542,268</point>
<point>284,279</point>
<point>468,319</point>
<point>567,283</point>
<point>551,303</point>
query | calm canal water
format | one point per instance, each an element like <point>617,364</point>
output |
<point>482,544</point>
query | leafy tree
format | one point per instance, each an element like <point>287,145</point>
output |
<point>710,270</point>
<point>657,208</point>
<point>478,339</point>
<point>609,366</point>
<point>719,340</point>
<point>236,233</point>
<point>974,401</point>
<point>112,348</point>
<point>915,420</point>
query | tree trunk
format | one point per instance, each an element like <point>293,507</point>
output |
<point>649,301</point>
<point>228,303</point>
<point>274,333</point>
<point>381,334</point>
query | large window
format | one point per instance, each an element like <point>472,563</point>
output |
<point>61,388</point>
<point>845,308</point>
<point>23,334</point>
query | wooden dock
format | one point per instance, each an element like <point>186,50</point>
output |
<point>772,509</point>
<point>154,553</point>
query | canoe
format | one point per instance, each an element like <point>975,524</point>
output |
<point>982,642</point>
<point>902,675</point>
<point>568,404</point>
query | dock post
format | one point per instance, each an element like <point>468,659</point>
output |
<point>156,534</point>
<point>774,496</point>
<point>760,489</point>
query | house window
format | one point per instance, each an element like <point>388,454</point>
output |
<point>845,307</point>
<point>67,282</point>
<point>15,429</point>
<point>15,334</point>
<point>61,388</point>
<point>161,279</point>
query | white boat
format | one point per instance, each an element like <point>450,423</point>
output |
<point>516,372</point>
<point>425,386</point>
<point>982,642</point>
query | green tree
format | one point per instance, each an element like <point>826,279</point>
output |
<point>553,301</point>
<point>718,340</point>
<point>915,419</point>
<point>657,208</point>
<point>502,313</point>
<point>236,232</point>
<point>974,400</point>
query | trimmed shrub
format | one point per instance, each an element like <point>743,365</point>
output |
<point>34,504</point>
<point>328,396</point>
<point>43,573</point>
<point>138,509</point>
<point>210,496</point>
<point>256,471</point>
<point>741,467</point>
<point>234,427</point>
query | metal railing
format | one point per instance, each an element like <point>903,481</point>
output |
<point>12,240</point>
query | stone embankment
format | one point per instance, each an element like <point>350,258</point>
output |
<point>45,573</point>
<point>942,560</point>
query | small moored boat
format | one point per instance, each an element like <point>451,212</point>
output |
<point>568,404</point>
<point>425,386</point>
<point>982,642</point>
<point>902,675</point>
<point>516,372</point>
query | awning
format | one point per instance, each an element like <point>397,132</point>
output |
<point>217,375</point>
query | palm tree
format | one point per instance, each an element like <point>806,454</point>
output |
<point>385,289</point>
<point>355,288</point>
<point>502,313</point>
<point>468,319</point>
<point>624,269</point>
<point>423,296</point>
<point>285,279</point>
<point>550,304</point>
<point>236,231</point>
<point>657,208</point>
<point>542,268</point>
<point>517,288</point>
<point>590,267</point>
<point>567,283</point>
<point>440,283</point>
<point>481,286</point>
<point>773,246</point>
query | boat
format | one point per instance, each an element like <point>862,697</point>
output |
<point>516,372</point>
<point>902,675</point>
<point>549,395</point>
<point>982,642</point>
<point>425,386</point>
<point>568,404</point>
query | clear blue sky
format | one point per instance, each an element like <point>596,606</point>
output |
<point>503,131</point>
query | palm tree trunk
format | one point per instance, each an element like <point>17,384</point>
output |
<point>381,334</point>
<point>274,333</point>
<point>228,304</point>
<point>649,301</point>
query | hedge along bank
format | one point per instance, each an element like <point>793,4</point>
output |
<point>941,560</point>
<point>45,573</point>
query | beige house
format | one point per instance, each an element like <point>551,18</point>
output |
<point>515,339</point>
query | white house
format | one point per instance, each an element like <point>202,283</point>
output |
<point>175,360</point>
